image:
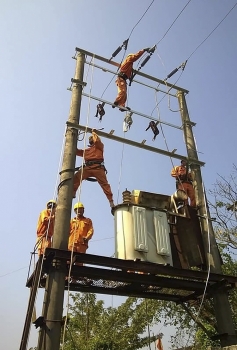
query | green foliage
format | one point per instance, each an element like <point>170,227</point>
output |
<point>92,326</point>
<point>223,207</point>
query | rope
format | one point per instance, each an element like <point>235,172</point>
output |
<point>78,198</point>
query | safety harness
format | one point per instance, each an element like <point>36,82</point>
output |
<point>183,178</point>
<point>90,163</point>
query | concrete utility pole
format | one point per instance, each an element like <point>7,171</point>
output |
<point>221,303</point>
<point>57,272</point>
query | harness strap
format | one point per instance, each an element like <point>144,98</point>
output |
<point>122,75</point>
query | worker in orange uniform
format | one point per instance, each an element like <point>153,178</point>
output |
<point>45,227</point>
<point>94,166</point>
<point>159,345</point>
<point>184,181</point>
<point>81,230</point>
<point>124,74</point>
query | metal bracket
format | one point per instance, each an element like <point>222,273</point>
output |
<point>189,123</point>
<point>77,81</point>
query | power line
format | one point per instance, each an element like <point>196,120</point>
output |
<point>173,22</point>
<point>212,31</point>
<point>126,45</point>
<point>10,273</point>
<point>141,18</point>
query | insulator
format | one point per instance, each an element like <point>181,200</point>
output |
<point>172,73</point>
<point>145,61</point>
<point>127,197</point>
<point>117,51</point>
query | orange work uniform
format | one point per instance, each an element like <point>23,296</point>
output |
<point>159,344</point>
<point>94,158</point>
<point>81,231</point>
<point>184,182</point>
<point>45,229</point>
<point>124,74</point>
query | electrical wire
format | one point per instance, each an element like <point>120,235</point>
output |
<point>14,271</point>
<point>173,23</point>
<point>126,49</point>
<point>141,19</point>
<point>212,31</point>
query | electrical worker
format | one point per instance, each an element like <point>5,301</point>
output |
<point>94,166</point>
<point>45,227</point>
<point>184,181</point>
<point>81,230</point>
<point>124,74</point>
<point>159,344</point>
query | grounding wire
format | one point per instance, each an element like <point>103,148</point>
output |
<point>168,89</point>
<point>79,194</point>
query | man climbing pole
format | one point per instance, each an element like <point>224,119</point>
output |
<point>81,230</point>
<point>93,166</point>
<point>124,74</point>
<point>184,181</point>
<point>45,227</point>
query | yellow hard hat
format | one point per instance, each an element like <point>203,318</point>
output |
<point>78,205</point>
<point>51,201</point>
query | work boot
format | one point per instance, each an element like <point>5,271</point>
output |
<point>115,104</point>
<point>111,204</point>
<point>124,109</point>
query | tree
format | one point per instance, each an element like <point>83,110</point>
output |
<point>224,208</point>
<point>94,327</point>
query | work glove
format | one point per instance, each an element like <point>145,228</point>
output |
<point>147,49</point>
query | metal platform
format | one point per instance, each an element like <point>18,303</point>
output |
<point>133,278</point>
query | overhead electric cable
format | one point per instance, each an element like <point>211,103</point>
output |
<point>10,273</point>
<point>212,30</point>
<point>173,22</point>
<point>127,43</point>
<point>184,64</point>
<point>141,19</point>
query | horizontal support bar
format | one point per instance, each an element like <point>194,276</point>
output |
<point>135,144</point>
<point>134,80</point>
<point>134,112</point>
<point>143,266</point>
<point>159,81</point>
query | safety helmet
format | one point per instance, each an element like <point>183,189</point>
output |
<point>52,201</point>
<point>78,205</point>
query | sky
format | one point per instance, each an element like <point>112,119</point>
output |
<point>38,40</point>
